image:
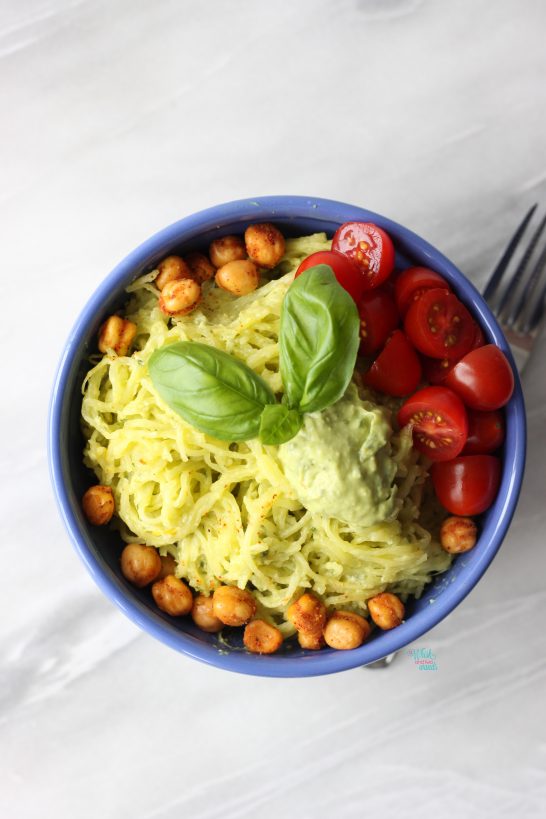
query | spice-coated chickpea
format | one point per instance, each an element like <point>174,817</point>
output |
<point>308,614</point>
<point>386,610</point>
<point>201,268</point>
<point>117,334</point>
<point>171,269</point>
<point>168,566</point>
<point>262,638</point>
<point>98,505</point>
<point>233,606</point>
<point>226,249</point>
<point>458,535</point>
<point>180,297</point>
<point>238,278</point>
<point>264,244</point>
<point>140,564</point>
<point>345,630</point>
<point>203,614</point>
<point>310,641</point>
<point>172,596</point>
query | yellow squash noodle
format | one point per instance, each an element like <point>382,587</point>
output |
<point>226,512</point>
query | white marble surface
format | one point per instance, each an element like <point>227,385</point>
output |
<point>118,118</point>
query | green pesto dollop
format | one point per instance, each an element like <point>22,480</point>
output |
<point>340,463</point>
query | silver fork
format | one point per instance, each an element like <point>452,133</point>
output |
<point>519,306</point>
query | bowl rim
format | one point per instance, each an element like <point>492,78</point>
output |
<point>285,208</point>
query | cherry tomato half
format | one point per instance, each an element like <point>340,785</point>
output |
<point>437,369</point>
<point>479,338</point>
<point>439,422</point>
<point>378,318</point>
<point>485,432</point>
<point>370,247</point>
<point>483,378</point>
<point>439,325</point>
<point>346,272</point>
<point>467,485</point>
<point>412,283</point>
<point>397,369</point>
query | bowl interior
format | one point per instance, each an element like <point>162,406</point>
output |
<point>100,548</point>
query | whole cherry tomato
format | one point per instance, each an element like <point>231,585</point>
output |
<point>378,318</point>
<point>467,485</point>
<point>483,378</point>
<point>397,369</point>
<point>439,325</point>
<point>370,247</point>
<point>439,422</point>
<point>346,272</point>
<point>412,283</point>
<point>485,432</point>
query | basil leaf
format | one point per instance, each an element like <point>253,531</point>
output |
<point>211,390</point>
<point>279,424</point>
<point>319,340</point>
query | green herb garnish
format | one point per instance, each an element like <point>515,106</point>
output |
<point>218,394</point>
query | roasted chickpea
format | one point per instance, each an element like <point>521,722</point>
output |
<point>203,614</point>
<point>172,596</point>
<point>201,269</point>
<point>168,566</point>
<point>238,278</point>
<point>345,630</point>
<point>98,505</point>
<point>310,641</point>
<point>117,334</point>
<point>308,614</point>
<point>264,244</point>
<point>261,638</point>
<point>233,606</point>
<point>180,297</point>
<point>386,610</point>
<point>171,269</point>
<point>140,564</point>
<point>458,535</point>
<point>226,249</point>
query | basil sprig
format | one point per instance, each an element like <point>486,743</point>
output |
<point>211,390</point>
<point>279,423</point>
<point>319,340</point>
<point>220,395</point>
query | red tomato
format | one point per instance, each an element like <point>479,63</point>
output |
<point>485,432</point>
<point>483,378</point>
<point>397,369</point>
<point>479,338</point>
<point>370,247</point>
<point>412,283</point>
<point>439,325</point>
<point>346,272</point>
<point>378,318</point>
<point>436,369</point>
<point>439,422</point>
<point>467,485</point>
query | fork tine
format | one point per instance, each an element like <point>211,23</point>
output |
<point>540,307</point>
<point>498,272</point>
<point>527,291</point>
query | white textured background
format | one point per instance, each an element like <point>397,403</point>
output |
<point>118,118</point>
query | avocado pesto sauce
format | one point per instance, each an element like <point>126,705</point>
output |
<point>339,464</point>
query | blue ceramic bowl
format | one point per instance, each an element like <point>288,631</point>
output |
<point>100,548</point>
